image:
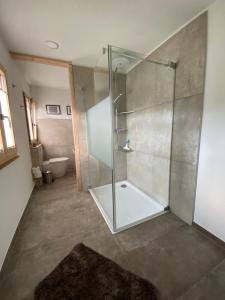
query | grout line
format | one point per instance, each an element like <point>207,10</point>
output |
<point>183,162</point>
<point>206,235</point>
<point>185,98</point>
<point>207,273</point>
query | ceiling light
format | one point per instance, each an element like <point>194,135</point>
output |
<point>52,44</point>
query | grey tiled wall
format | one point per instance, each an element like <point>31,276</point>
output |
<point>56,135</point>
<point>188,48</point>
<point>150,96</point>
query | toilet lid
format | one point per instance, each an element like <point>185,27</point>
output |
<point>58,159</point>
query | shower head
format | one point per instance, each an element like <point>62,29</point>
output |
<point>120,64</point>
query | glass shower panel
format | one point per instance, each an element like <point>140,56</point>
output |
<point>99,125</point>
<point>143,114</point>
<point>99,120</point>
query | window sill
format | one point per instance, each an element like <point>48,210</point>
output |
<point>8,161</point>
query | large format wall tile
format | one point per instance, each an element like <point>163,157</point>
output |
<point>56,135</point>
<point>160,179</point>
<point>150,174</point>
<point>141,83</point>
<point>182,190</point>
<point>161,130</point>
<point>149,84</point>
<point>186,130</point>
<point>150,130</point>
<point>191,65</point>
<point>170,50</point>
<point>139,170</point>
<point>188,49</point>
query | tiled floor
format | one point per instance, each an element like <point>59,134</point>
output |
<point>179,260</point>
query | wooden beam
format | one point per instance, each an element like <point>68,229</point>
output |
<point>40,59</point>
<point>75,122</point>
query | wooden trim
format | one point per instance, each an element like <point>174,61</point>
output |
<point>9,154</point>
<point>75,116</point>
<point>209,235</point>
<point>8,161</point>
<point>75,121</point>
<point>25,109</point>
<point>40,59</point>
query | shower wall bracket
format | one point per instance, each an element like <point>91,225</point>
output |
<point>125,112</point>
<point>120,130</point>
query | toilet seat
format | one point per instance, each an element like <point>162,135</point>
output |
<point>58,166</point>
<point>57,159</point>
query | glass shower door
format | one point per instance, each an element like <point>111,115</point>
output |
<point>100,136</point>
<point>142,92</point>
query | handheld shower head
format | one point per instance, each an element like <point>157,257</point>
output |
<point>117,98</point>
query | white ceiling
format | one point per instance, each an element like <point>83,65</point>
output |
<point>44,75</point>
<point>84,27</point>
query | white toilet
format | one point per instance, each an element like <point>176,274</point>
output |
<point>58,166</point>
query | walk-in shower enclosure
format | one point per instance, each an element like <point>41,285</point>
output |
<point>129,137</point>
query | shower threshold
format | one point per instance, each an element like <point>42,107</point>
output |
<point>132,205</point>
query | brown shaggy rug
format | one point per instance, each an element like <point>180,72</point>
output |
<point>84,274</point>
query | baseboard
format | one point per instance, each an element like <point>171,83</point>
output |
<point>209,235</point>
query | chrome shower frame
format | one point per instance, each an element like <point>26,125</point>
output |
<point>114,101</point>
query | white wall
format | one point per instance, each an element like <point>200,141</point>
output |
<point>48,95</point>
<point>210,197</point>
<point>16,183</point>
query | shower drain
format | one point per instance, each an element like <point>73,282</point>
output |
<point>123,185</point>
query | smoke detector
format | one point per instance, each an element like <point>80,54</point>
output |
<point>52,44</point>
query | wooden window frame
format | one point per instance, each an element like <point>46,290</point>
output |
<point>33,126</point>
<point>9,154</point>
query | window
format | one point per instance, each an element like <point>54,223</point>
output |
<point>8,151</point>
<point>31,118</point>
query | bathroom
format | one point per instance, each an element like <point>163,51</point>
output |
<point>49,120</point>
<point>112,146</point>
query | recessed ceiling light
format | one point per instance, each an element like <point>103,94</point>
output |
<point>52,44</point>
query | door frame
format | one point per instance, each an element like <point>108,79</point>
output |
<point>75,116</point>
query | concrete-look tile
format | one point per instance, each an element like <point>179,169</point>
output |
<point>164,84</point>
<point>191,66</point>
<point>182,190</point>
<point>150,174</point>
<point>187,129</point>
<point>104,243</point>
<point>209,287</point>
<point>139,170</point>
<point>151,129</point>
<point>101,84</point>
<point>144,233</point>
<point>175,261</point>
<point>48,228</point>
<point>170,50</point>
<point>42,259</point>
<point>120,166</point>
<point>105,174</point>
<point>143,130</point>
<point>131,129</point>
<point>160,130</point>
<point>141,86</point>
<point>160,180</point>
